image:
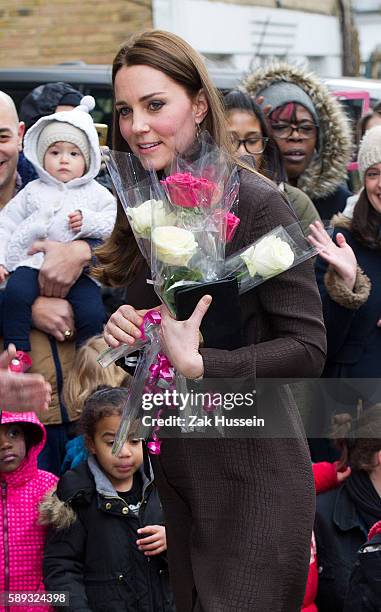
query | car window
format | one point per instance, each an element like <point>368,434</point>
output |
<point>17,91</point>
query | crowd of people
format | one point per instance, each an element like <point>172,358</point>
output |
<point>209,524</point>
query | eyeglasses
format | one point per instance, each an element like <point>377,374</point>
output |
<point>285,130</point>
<point>253,146</point>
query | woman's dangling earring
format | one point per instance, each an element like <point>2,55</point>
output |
<point>198,131</point>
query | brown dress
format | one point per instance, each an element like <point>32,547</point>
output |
<point>239,512</point>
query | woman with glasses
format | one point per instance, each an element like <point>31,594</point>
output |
<point>311,131</point>
<point>250,135</point>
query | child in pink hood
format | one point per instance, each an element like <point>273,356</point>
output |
<point>23,486</point>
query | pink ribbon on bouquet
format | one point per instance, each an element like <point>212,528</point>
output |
<point>151,317</point>
<point>162,374</point>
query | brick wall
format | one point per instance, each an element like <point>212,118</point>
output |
<point>37,32</point>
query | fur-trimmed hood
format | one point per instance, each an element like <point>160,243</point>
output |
<point>329,167</point>
<point>55,513</point>
<point>342,221</point>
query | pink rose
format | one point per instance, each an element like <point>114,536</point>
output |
<point>232,222</point>
<point>188,191</point>
<point>227,220</point>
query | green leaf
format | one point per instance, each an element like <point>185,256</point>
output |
<point>177,275</point>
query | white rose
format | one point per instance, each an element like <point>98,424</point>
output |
<point>269,257</point>
<point>174,245</point>
<point>140,217</point>
<point>247,257</point>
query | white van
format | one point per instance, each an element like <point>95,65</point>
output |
<point>356,84</point>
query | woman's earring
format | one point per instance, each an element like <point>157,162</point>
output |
<point>198,131</point>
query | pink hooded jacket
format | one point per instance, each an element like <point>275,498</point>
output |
<point>22,538</point>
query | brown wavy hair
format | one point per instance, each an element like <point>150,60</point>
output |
<point>358,440</point>
<point>119,259</point>
<point>362,125</point>
<point>366,223</point>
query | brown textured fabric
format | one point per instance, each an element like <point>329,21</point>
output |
<point>239,513</point>
<point>239,516</point>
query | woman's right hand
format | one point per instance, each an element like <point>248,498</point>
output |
<point>123,327</point>
<point>340,255</point>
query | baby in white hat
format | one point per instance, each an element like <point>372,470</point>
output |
<point>65,203</point>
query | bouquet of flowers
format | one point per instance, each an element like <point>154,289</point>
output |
<point>196,197</point>
<point>199,196</point>
<point>279,250</point>
<point>189,225</point>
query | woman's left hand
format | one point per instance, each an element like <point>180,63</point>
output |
<point>180,340</point>
<point>154,540</point>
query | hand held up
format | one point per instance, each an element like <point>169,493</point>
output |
<point>339,255</point>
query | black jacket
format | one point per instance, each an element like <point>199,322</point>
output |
<point>339,534</point>
<point>331,204</point>
<point>91,552</point>
<point>364,592</point>
<point>354,340</point>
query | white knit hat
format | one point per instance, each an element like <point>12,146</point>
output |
<point>370,150</point>
<point>58,131</point>
<point>62,131</point>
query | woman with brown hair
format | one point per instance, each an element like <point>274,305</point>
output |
<point>239,517</point>
<point>348,274</point>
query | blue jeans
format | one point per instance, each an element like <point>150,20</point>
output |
<point>22,290</point>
